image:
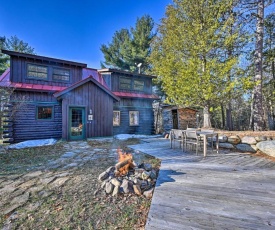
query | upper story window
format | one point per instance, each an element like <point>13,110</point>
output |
<point>138,85</point>
<point>130,84</point>
<point>61,74</point>
<point>37,71</point>
<point>124,83</point>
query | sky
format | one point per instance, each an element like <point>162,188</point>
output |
<point>70,29</point>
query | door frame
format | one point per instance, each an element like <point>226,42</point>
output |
<point>83,136</point>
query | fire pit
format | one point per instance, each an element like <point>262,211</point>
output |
<point>127,177</point>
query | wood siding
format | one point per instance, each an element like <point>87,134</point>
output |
<point>25,124</point>
<point>19,72</point>
<point>89,96</point>
<point>146,117</point>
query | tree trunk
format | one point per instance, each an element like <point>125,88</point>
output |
<point>206,117</point>
<point>223,117</point>
<point>229,123</point>
<point>258,104</point>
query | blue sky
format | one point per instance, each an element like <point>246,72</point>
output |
<point>73,30</point>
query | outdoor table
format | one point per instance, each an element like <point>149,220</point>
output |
<point>205,135</point>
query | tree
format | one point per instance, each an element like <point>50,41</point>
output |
<point>188,55</point>
<point>3,58</point>
<point>130,47</point>
<point>15,44</point>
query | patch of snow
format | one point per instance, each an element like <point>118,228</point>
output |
<point>128,136</point>
<point>32,143</point>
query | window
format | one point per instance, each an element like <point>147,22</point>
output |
<point>37,71</point>
<point>44,112</point>
<point>116,118</point>
<point>138,85</point>
<point>61,74</point>
<point>124,83</point>
<point>134,118</point>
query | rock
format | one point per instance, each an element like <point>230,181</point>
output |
<point>115,191</point>
<point>68,155</point>
<point>267,147</point>
<point>234,140</point>
<point>59,182</point>
<point>111,169</point>
<point>249,140</point>
<point>137,189</point>
<point>226,145</point>
<point>245,148</point>
<point>127,186</point>
<point>222,138</point>
<point>115,182</point>
<point>145,175</point>
<point>153,174</point>
<point>103,176</point>
<point>139,170</point>
<point>148,193</point>
<point>33,174</point>
<point>109,188</point>
<point>147,167</point>
<point>71,165</point>
<point>254,147</point>
<point>260,138</point>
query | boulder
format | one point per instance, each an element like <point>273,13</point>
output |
<point>137,189</point>
<point>226,145</point>
<point>260,138</point>
<point>126,186</point>
<point>234,140</point>
<point>109,188</point>
<point>254,147</point>
<point>245,148</point>
<point>149,193</point>
<point>249,140</point>
<point>103,176</point>
<point>222,138</point>
<point>267,147</point>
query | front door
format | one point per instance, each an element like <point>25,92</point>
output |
<point>76,123</point>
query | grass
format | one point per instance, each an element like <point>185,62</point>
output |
<point>75,205</point>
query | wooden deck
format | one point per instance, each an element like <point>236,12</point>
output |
<point>222,191</point>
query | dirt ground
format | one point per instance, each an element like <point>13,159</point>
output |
<point>248,133</point>
<point>34,194</point>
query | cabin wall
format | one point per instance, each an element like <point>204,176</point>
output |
<point>19,72</point>
<point>89,96</point>
<point>146,117</point>
<point>26,126</point>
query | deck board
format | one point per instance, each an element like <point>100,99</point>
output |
<point>222,191</point>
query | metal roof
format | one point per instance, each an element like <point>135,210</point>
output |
<point>136,95</point>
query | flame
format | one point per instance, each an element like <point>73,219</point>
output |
<point>125,162</point>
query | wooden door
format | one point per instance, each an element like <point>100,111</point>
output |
<point>77,123</point>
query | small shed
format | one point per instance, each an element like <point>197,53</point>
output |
<point>174,117</point>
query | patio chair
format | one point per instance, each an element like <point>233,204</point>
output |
<point>191,137</point>
<point>209,139</point>
<point>176,136</point>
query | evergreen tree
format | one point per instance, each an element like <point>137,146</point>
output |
<point>130,47</point>
<point>188,55</point>
<point>3,58</point>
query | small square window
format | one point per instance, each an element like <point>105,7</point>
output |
<point>116,118</point>
<point>138,85</point>
<point>44,112</point>
<point>134,118</point>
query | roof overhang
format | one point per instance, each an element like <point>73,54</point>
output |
<point>107,70</point>
<point>82,82</point>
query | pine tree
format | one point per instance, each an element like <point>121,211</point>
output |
<point>130,47</point>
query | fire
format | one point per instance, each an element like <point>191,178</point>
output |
<point>125,162</point>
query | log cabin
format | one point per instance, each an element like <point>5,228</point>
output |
<point>54,98</point>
